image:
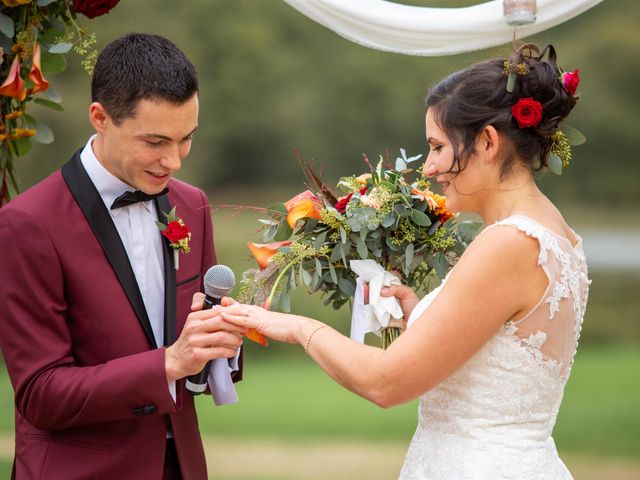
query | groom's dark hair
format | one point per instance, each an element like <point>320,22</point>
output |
<point>141,66</point>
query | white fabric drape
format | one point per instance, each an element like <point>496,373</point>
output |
<point>413,30</point>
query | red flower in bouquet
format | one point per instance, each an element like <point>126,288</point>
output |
<point>527,112</point>
<point>570,81</point>
<point>341,206</point>
<point>94,8</point>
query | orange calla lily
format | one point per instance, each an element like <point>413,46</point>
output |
<point>253,335</point>
<point>13,86</point>
<point>303,205</point>
<point>39,82</point>
<point>264,251</point>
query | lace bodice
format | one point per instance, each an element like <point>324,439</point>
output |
<point>493,417</point>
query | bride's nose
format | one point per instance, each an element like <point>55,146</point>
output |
<point>429,169</point>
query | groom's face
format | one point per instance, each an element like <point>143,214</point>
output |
<point>146,149</point>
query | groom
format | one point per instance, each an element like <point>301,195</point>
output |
<point>94,304</point>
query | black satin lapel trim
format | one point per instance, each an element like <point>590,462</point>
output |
<point>163,205</point>
<point>92,206</point>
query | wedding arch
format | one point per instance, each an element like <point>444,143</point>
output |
<point>412,30</point>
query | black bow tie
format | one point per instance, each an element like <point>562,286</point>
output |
<point>130,198</point>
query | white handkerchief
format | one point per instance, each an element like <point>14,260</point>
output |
<point>220,383</point>
<point>381,312</point>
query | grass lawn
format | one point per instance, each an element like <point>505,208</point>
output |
<point>286,396</point>
<point>290,397</point>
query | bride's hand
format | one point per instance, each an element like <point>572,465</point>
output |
<point>282,327</point>
<point>405,295</point>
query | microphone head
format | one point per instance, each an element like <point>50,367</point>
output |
<point>219,281</point>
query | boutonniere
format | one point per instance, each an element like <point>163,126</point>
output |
<point>177,233</point>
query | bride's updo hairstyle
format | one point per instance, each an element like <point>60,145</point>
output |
<point>467,101</point>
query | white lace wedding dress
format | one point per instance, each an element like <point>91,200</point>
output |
<point>493,418</point>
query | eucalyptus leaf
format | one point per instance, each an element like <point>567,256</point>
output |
<point>285,302</point>
<point>336,253</point>
<point>43,134</point>
<point>309,225</point>
<point>51,94</point>
<point>44,3</point>
<point>333,274</point>
<point>22,146</point>
<point>344,252</point>
<point>305,276</point>
<point>6,26</point>
<point>362,249</point>
<point>283,232</point>
<point>52,105</point>
<point>468,230</point>
<point>51,63</point>
<point>555,163</point>
<point>408,253</point>
<point>347,286</point>
<point>440,265</point>
<point>29,120</point>
<point>343,235</point>
<point>318,267</point>
<point>574,136</point>
<point>267,221</point>
<point>292,280</point>
<point>59,48</point>
<point>319,242</point>
<point>420,218</point>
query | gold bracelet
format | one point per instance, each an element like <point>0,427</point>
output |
<point>306,347</point>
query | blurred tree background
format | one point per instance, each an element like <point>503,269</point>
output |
<point>273,81</point>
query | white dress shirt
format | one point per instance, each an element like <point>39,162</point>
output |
<point>141,239</point>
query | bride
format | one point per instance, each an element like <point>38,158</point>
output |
<point>490,350</point>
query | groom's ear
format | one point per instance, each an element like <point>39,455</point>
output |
<point>98,117</point>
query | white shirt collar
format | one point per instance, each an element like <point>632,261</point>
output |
<point>109,187</point>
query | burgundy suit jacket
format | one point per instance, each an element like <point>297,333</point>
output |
<point>91,395</point>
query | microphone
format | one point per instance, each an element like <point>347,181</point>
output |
<point>218,282</point>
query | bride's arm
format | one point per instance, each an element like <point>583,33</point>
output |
<point>497,279</point>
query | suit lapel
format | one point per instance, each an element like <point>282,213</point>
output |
<point>163,205</point>
<point>92,206</point>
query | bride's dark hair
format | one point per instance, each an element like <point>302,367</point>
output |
<point>467,101</point>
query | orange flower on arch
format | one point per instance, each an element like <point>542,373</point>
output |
<point>39,82</point>
<point>13,86</point>
<point>264,251</point>
<point>303,205</point>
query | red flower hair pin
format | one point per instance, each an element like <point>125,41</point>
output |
<point>178,234</point>
<point>570,81</point>
<point>527,112</point>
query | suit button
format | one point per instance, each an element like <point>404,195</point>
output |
<point>150,409</point>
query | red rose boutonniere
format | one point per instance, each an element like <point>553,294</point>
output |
<point>527,112</point>
<point>177,233</point>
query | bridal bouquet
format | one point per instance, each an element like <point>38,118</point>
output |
<point>383,222</point>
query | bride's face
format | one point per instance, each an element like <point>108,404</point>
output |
<point>458,187</point>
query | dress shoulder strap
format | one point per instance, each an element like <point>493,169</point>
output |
<point>547,239</point>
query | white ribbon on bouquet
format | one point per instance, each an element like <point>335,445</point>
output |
<point>381,312</point>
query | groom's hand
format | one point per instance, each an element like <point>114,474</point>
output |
<point>205,336</point>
